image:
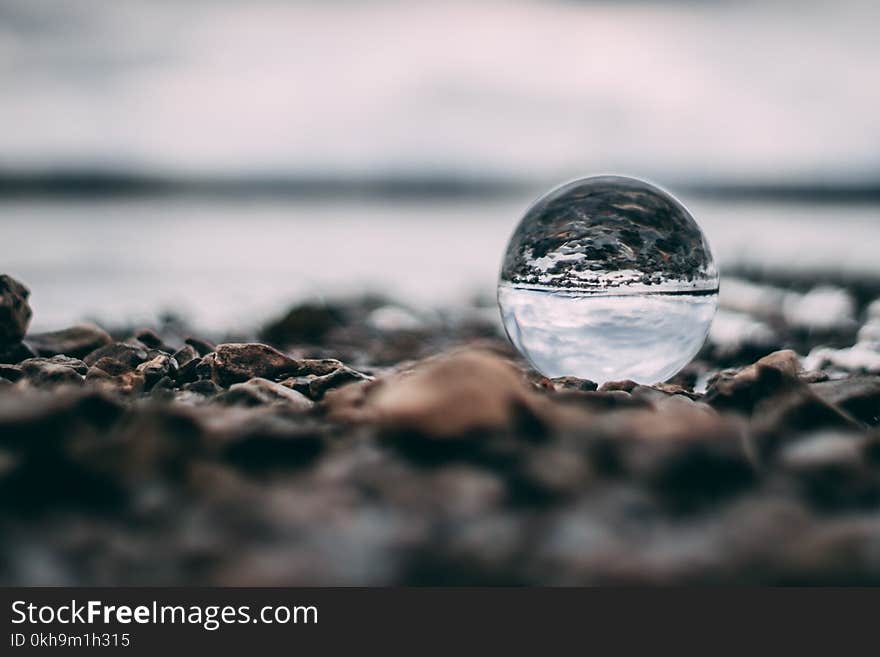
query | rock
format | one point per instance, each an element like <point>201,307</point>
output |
<point>299,383</point>
<point>16,352</point>
<point>742,389</point>
<point>454,395</point>
<point>661,391</point>
<point>648,393</point>
<point>239,362</point>
<point>122,380</point>
<point>674,389</point>
<point>11,372</point>
<point>319,385</point>
<point>274,444</point>
<point>159,367</point>
<point>786,361</point>
<point>684,450</point>
<point>307,323</point>
<point>549,475</point>
<point>859,396</point>
<point>319,366</point>
<point>674,420</point>
<point>193,369</point>
<point>203,347</point>
<point>54,371</point>
<point>15,311</point>
<point>164,388</point>
<point>259,391</point>
<point>594,400</point>
<point>831,470</point>
<point>813,376</point>
<point>573,383</point>
<point>324,371</point>
<point>821,450</point>
<point>185,355</point>
<point>128,354</point>
<point>77,341</point>
<point>206,388</point>
<point>347,404</point>
<point>111,366</point>
<point>152,340</point>
<point>625,386</point>
<point>777,420</point>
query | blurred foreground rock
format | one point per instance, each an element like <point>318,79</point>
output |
<point>361,443</point>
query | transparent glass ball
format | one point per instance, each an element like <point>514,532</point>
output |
<point>608,278</point>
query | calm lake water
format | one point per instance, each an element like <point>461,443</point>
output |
<point>232,264</point>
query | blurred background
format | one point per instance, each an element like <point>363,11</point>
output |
<point>222,159</point>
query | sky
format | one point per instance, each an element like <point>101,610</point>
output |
<point>741,91</point>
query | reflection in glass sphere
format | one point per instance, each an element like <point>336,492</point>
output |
<point>608,278</point>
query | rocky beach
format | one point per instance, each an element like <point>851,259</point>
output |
<point>362,442</point>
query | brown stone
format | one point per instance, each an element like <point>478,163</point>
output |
<point>239,362</point>
<point>452,396</point>
<point>77,341</point>
<point>15,311</point>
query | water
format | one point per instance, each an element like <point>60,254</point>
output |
<point>645,337</point>
<point>608,278</point>
<point>227,265</point>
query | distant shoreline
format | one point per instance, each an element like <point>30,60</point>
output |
<point>112,184</point>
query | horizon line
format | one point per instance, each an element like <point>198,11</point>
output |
<point>104,182</point>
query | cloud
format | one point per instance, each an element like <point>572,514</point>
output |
<point>534,89</point>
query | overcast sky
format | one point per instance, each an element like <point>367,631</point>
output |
<point>548,90</point>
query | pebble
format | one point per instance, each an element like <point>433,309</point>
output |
<point>129,354</point>
<point>307,323</point>
<point>859,396</point>
<point>159,367</point>
<point>152,340</point>
<point>338,462</point>
<point>77,341</point>
<point>15,311</point>
<point>319,385</point>
<point>53,371</point>
<point>122,379</point>
<point>573,383</point>
<point>454,395</point>
<point>831,470</point>
<point>238,362</point>
<point>779,418</point>
<point>16,352</point>
<point>11,373</point>
<point>740,389</point>
<point>624,386</point>
<point>185,355</point>
<point>259,391</point>
<point>203,347</point>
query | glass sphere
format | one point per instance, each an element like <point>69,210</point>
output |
<point>608,278</point>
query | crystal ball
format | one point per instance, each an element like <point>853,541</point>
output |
<point>608,278</point>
